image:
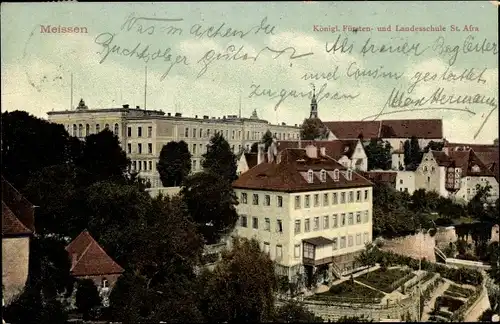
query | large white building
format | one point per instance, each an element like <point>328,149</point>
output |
<point>309,212</point>
<point>142,133</point>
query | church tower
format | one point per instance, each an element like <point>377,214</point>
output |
<point>314,105</point>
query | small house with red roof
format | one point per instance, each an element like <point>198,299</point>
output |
<point>17,229</point>
<point>90,261</point>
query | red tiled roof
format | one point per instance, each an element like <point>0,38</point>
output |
<point>91,259</point>
<point>467,160</point>
<point>421,128</point>
<point>442,159</point>
<point>19,205</point>
<point>335,149</point>
<point>286,175</point>
<point>491,161</point>
<point>476,147</point>
<point>11,226</point>
<point>386,177</point>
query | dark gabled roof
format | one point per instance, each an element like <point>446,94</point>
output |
<point>11,226</point>
<point>91,259</point>
<point>405,128</point>
<point>466,160</point>
<point>385,177</point>
<point>318,241</point>
<point>288,175</point>
<point>334,148</point>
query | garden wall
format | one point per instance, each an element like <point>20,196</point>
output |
<point>482,304</point>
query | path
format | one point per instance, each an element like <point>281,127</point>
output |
<point>439,291</point>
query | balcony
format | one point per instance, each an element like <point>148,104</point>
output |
<point>317,251</point>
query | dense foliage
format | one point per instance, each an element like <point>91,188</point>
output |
<point>313,129</point>
<point>174,164</point>
<point>220,159</point>
<point>379,154</point>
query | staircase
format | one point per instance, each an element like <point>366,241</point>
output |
<point>440,256</point>
<point>336,270</point>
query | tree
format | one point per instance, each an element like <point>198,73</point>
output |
<point>87,297</point>
<point>478,205</point>
<point>29,144</point>
<point>494,261</point>
<point>254,148</point>
<point>219,158</point>
<point>434,146</point>
<point>241,287</point>
<point>495,141</point>
<point>312,129</point>
<point>379,154</point>
<point>267,139</point>
<point>174,164</point>
<point>211,201</point>
<point>412,154</point>
<point>295,312</point>
<point>367,257</point>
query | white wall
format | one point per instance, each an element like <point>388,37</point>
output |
<point>405,181</point>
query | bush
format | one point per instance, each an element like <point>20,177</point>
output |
<point>87,297</point>
<point>451,303</point>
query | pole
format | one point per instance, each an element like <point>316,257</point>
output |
<point>419,282</point>
<point>145,85</point>
<point>71,97</point>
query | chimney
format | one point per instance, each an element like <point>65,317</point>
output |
<point>205,117</point>
<point>260,153</point>
<point>322,151</point>
<point>311,151</point>
<point>125,106</point>
<point>137,107</point>
<point>168,114</point>
<point>196,116</point>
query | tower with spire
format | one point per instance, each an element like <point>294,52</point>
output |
<point>314,105</point>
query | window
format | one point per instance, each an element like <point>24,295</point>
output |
<point>243,221</point>
<point>186,132</point>
<point>335,221</point>
<point>326,222</point>
<point>316,223</point>
<point>400,181</point>
<point>267,200</point>
<point>255,222</point>
<point>309,251</point>
<point>104,283</point>
<point>87,130</point>
<point>244,198</point>
<point>194,149</point>
<point>139,164</point>
<point>366,237</point>
<point>307,202</point>
<point>342,219</point>
<point>139,131</point>
<point>358,239</point>
<point>255,200</point>
<point>366,195</point>
<point>279,226</point>
<point>350,241</point>
<point>358,196</point>
<point>335,243</point>
<point>208,132</point>
<point>116,130</point>
<point>201,133</point>
<point>307,225</point>
<point>296,251</point>
<point>325,199</point>
<point>74,130</point>
<point>150,165</point>
<point>316,200</point>
<point>297,202</point>
<point>97,128</point>
<point>145,165</point>
<point>267,248</point>
<point>336,175</point>
<point>323,176</point>
<point>139,148</point>
<point>232,135</point>
<point>80,130</point>
<point>194,132</point>
<point>279,252</point>
<point>297,226</point>
<point>150,131</point>
<point>279,201</point>
<point>351,219</point>
<point>351,196</point>
<point>342,242</point>
<point>335,199</point>
<point>267,225</point>
<point>106,126</point>
<point>342,197</point>
<point>129,131</point>
<point>349,174</point>
<point>150,148</point>
<point>310,176</point>
<point>129,148</point>
<point>366,217</point>
<point>134,165</point>
<point>194,165</point>
<point>358,217</point>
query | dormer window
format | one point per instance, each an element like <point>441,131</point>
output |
<point>349,174</point>
<point>323,176</point>
<point>310,176</point>
<point>336,175</point>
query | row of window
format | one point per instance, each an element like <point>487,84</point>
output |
<point>142,165</point>
<point>255,199</point>
<point>337,220</point>
<point>267,223</point>
<point>235,135</point>
<point>80,131</point>
<point>140,148</point>
<point>139,131</point>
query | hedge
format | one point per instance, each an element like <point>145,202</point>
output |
<point>427,293</point>
<point>459,315</point>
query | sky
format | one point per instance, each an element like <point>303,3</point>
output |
<point>264,62</point>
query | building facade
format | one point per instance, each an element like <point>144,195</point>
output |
<point>142,133</point>
<point>309,212</point>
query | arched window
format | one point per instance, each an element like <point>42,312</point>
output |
<point>74,130</point>
<point>349,174</point>
<point>336,175</point>
<point>87,130</point>
<point>80,130</point>
<point>116,129</point>
<point>97,128</point>
<point>310,176</point>
<point>323,175</point>
<point>106,126</point>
